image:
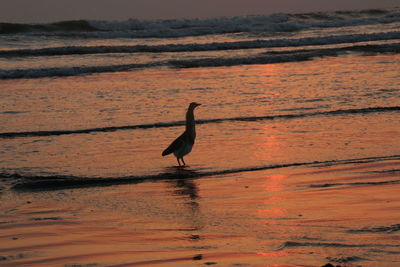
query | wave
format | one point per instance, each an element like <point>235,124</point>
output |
<point>339,112</point>
<point>270,24</point>
<point>291,244</point>
<point>58,182</point>
<point>355,184</point>
<point>262,58</point>
<point>286,56</point>
<point>66,26</point>
<point>380,229</point>
<point>195,47</point>
<point>70,71</point>
<point>345,259</point>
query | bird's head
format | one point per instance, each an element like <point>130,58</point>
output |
<point>193,105</point>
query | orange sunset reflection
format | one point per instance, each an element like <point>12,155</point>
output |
<point>270,145</point>
<point>273,254</point>
<point>273,185</point>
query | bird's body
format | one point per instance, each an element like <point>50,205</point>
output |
<point>184,143</point>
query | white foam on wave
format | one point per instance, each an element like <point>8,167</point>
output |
<point>268,25</point>
<point>251,24</point>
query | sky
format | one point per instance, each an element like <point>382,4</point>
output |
<point>42,11</point>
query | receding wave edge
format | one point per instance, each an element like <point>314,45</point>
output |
<point>207,121</point>
<point>193,47</point>
<point>272,57</point>
<point>58,182</point>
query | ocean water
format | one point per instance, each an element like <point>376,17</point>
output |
<point>90,103</point>
<point>275,89</point>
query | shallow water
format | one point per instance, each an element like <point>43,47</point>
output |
<point>296,160</point>
<point>343,213</point>
<point>326,109</point>
<point>251,194</point>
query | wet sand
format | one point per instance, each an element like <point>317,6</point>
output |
<point>344,213</point>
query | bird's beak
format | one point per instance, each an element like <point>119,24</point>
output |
<point>197,104</point>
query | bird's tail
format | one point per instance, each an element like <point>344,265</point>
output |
<point>167,152</point>
<point>174,145</point>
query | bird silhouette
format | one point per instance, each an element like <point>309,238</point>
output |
<point>184,143</point>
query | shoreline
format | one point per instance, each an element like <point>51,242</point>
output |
<point>251,218</point>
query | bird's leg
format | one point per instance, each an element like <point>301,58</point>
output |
<point>179,163</point>
<point>183,161</point>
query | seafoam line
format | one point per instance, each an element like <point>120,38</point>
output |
<point>261,58</point>
<point>58,182</point>
<point>218,120</point>
<point>195,47</point>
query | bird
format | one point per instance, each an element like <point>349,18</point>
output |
<point>182,145</point>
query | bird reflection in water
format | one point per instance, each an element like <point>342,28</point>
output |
<point>185,186</point>
<point>187,189</point>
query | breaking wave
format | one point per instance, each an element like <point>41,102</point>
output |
<point>62,26</point>
<point>269,24</point>
<point>220,120</point>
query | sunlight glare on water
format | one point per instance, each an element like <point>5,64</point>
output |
<point>295,163</point>
<point>160,96</point>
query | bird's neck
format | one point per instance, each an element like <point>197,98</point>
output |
<point>190,124</point>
